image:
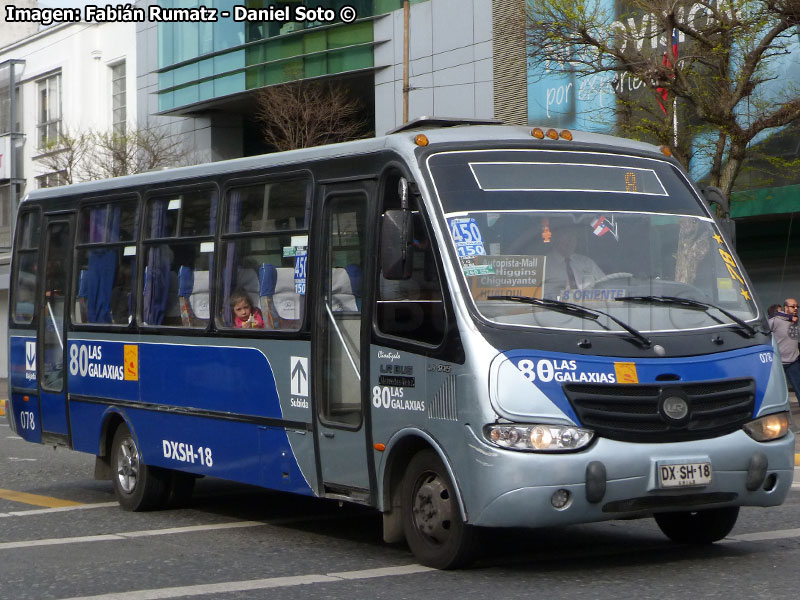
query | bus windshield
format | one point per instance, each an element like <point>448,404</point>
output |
<point>621,235</point>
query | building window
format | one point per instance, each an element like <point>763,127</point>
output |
<point>53,179</point>
<point>119,114</point>
<point>49,93</point>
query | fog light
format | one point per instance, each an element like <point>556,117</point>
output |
<point>560,498</point>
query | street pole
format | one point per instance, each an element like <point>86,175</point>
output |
<point>406,19</point>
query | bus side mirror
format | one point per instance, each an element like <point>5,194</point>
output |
<point>713,195</point>
<point>397,240</point>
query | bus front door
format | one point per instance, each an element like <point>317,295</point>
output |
<point>338,337</point>
<point>51,345</point>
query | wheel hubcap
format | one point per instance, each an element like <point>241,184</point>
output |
<point>433,508</point>
<point>127,466</point>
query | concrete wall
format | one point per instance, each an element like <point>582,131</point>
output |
<point>11,32</point>
<point>83,54</point>
<point>450,62</point>
<point>205,138</point>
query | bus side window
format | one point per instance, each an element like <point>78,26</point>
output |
<point>264,242</point>
<point>27,253</point>
<point>105,257</point>
<point>178,259</point>
<point>412,308</point>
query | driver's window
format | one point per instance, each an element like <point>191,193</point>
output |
<point>412,308</point>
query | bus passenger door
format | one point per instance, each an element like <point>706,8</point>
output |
<point>338,336</point>
<point>51,342</point>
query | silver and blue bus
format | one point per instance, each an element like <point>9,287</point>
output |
<point>462,325</point>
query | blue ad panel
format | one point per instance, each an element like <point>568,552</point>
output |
<point>237,451</point>
<point>207,377</point>
<point>549,371</point>
<point>26,416</point>
<point>22,362</point>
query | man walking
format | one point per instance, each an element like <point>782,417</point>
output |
<point>784,326</point>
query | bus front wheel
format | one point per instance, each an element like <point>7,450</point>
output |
<point>699,527</point>
<point>137,486</point>
<point>432,523</point>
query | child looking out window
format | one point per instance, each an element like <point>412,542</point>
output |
<point>246,316</point>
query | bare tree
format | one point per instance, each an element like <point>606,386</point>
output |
<point>66,154</point>
<point>304,114</point>
<point>136,151</point>
<point>718,82</point>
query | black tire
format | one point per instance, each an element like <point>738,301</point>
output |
<point>137,486</point>
<point>700,527</point>
<point>181,487</point>
<point>432,523</point>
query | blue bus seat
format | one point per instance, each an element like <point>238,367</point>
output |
<point>278,296</point>
<point>193,296</point>
<point>346,289</point>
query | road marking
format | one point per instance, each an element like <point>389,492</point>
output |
<point>35,499</point>
<point>762,536</point>
<point>44,511</point>
<point>259,584</point>
<point>128,535</point>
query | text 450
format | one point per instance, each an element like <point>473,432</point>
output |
<point>186,453</point>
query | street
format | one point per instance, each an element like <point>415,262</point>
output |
<point>63,536</point>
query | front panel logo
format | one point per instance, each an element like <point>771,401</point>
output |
<point>30,360</point>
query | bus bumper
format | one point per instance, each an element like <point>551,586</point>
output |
<point>612,480</point>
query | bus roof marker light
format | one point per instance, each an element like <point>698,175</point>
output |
<point>421,140</point>
<point>552,134</point>
<point>537,133</point>
<point>666,150</point>
<point>566,134</point>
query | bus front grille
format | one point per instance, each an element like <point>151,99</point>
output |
<point>634,413</point>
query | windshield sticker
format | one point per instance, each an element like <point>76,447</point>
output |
<point>733,269</point>
<point>467,236</point>
<point>601,295</point>
<point>603,225</point>
<point>507,276</point>
<point>473,270</point>
<point>300,261</point>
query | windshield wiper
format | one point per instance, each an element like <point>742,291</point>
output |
<point>689,304</point>
<point>577,311</point>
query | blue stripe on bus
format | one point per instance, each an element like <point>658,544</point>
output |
<point>549,370</point>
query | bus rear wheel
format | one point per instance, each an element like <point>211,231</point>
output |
<point>137,486</point>
<point>699,527</point>
<point>432,523</point>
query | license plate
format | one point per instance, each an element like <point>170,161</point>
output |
<point>671,475</point>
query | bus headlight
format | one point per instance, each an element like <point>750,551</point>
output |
<point>542,438</point>
<point>768,428</point>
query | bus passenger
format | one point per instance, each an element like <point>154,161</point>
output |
<point>247,317</point>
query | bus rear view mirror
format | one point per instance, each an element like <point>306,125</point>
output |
<point>714,195</point>
<point>397,240</point>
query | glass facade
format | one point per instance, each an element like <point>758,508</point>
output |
<point>199,62</point>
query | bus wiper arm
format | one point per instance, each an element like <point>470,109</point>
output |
<point>689,304</point>
<point>578,311</point>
